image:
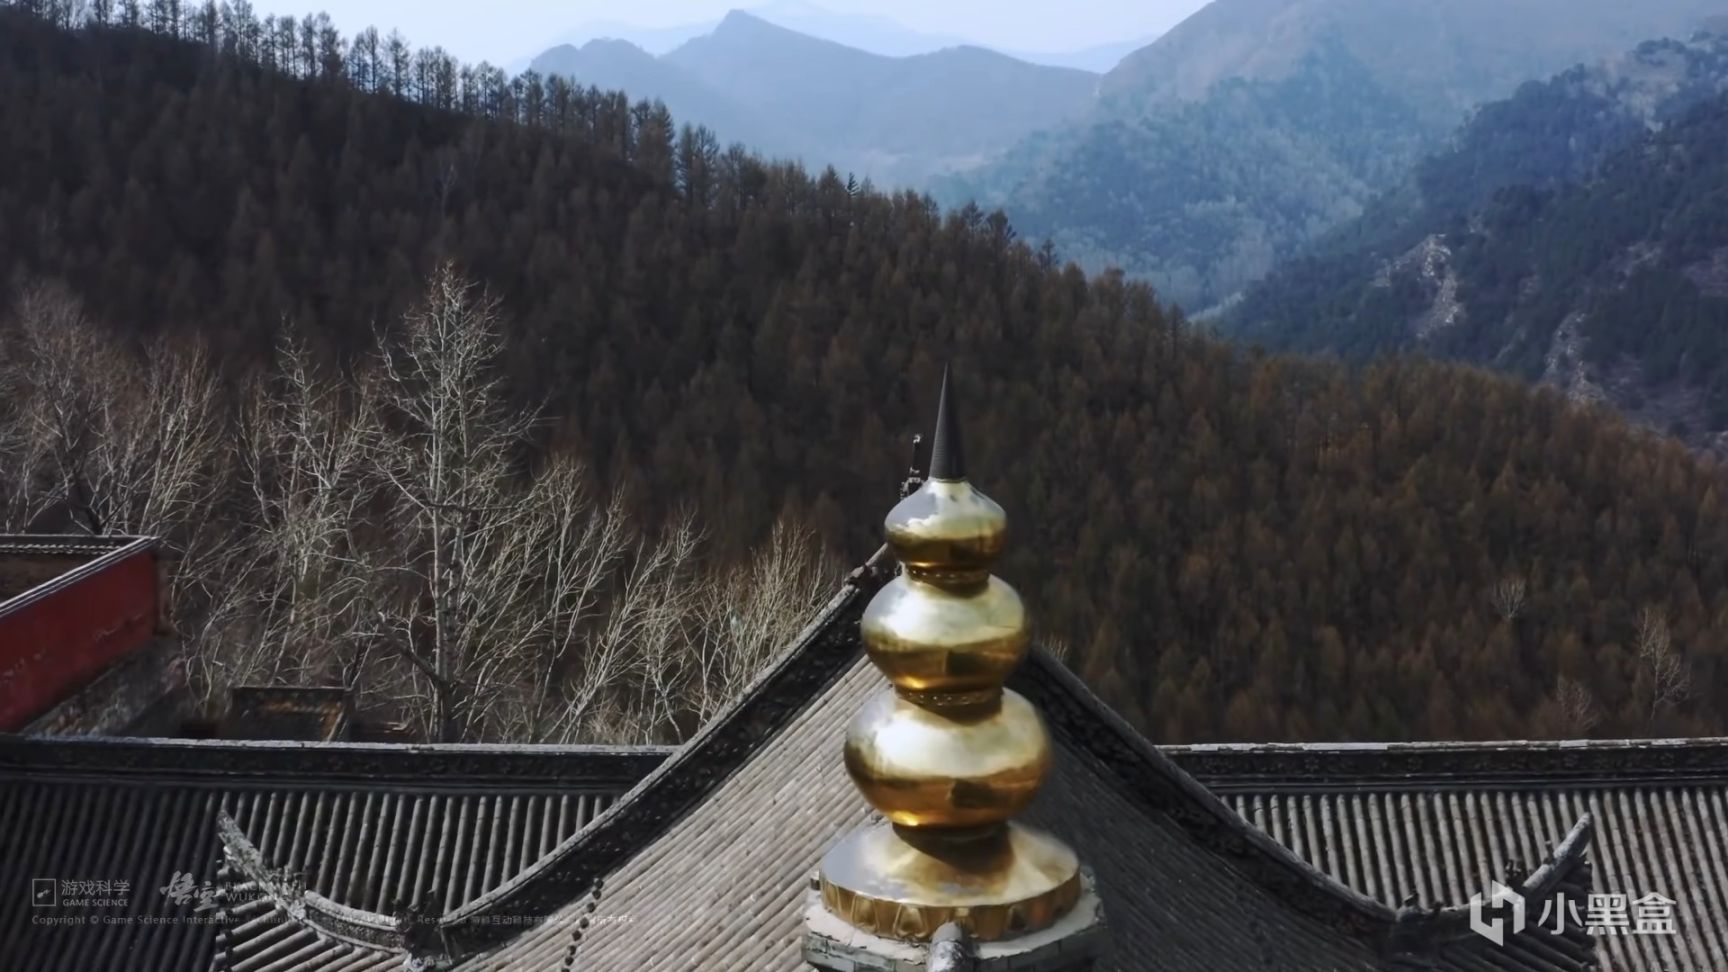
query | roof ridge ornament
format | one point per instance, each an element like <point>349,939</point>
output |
<point>947,452</point>
<point>946,754</point>
<point>914,473</point>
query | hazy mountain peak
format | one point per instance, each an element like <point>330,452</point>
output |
<point>601,61</point>
<point>788,94</point>
<point>1256,125</point>
<point>1444,56</point>
<point>870,32</point>
<point>745,43</point>
<point>737,21</point>
<point>612,46</point>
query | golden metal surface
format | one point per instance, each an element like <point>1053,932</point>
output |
<point>947,756</point>
<point>1011,881</point>
<point>927,638</point>
<point>927,769</point>
<point>947,531</point>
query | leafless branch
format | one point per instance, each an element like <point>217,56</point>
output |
<point>1508,595</point>
<point>1670,677</point>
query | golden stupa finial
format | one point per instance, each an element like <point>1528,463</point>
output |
<point>947,755</point>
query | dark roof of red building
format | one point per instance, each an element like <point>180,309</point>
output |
<point>36,564</point>
<point>304,712</point>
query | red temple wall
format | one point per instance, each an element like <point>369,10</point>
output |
<point>56,643</point>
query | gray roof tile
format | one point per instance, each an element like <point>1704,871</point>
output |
<point>1656,804</point>
<point>142,811</point>
<point>704,864</point>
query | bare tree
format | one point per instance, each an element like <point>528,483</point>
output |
<point>1575,709</point>
<point>59,373</point>
<point>749,614</point>
<point>1059,647</point>
<point>129,445</point>
<point>606,599</point>
<point>397,540</point>
<point>523,606</point>
<point>636,656</point>
<point>1508,595</point>
<point>1670,677</point>
<point>305,447</point>
<point>113,440</point>
<point>381,531</point>
<point>24,462</point>
<point>161,463</point>
<point>18,461</point>
<point>465,572</point>
<point>100,437</point>
<point>676,644</point>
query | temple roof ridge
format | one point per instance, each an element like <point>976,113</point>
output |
<point>1163,784</point>
<point>817,656</point>
<point>233,763</point>
<point>1294,767</point>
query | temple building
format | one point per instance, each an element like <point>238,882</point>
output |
<point>910,785</point>
<point>81,646</point>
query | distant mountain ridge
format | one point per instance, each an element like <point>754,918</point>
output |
<point>897,120</point>
<point>1571,235</point>
<point>1098,58</point>
<point>1444,58</point>
<point>1211,154</point>
<point>873,33</point>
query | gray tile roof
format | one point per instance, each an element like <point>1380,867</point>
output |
<point>265,910</point>
<point>704,865</point>
<point>364,825</point>
<point>1437,820</point>
<point>701,865</point>
<point>60,830</point>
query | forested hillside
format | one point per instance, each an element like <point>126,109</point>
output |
<point>1203,197</point>
<point>1257,125</point>
<point>1235,545</point>
<point>1569,236</point>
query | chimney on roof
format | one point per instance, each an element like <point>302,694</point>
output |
<point>949,756</point>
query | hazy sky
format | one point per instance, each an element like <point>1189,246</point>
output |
<point>504,30</point>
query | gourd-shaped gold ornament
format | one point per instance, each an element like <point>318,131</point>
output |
<point>947,755</point>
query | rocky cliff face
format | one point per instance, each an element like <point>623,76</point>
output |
<point>1675,406</point>
<point>1570,234</point>
<point>1427,265</point>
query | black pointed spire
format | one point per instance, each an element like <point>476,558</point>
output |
<point>947,456</point>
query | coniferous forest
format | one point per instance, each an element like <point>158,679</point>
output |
<point>1233,545</point>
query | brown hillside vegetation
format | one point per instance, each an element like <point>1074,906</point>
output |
<point>1236,546</point>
